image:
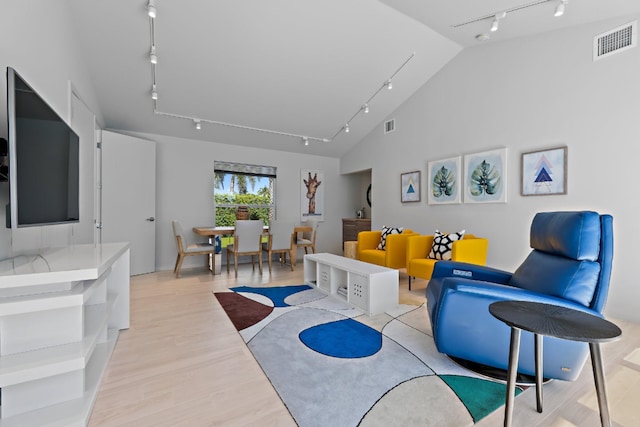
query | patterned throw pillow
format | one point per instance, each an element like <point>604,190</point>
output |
<point>443,244</point>
<point>385,232</point>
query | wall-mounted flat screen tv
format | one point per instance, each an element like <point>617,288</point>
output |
<point>43,160</point>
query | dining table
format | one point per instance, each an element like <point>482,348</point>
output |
<point>228,230</point>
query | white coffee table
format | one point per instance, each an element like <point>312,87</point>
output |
<point>370,287</point>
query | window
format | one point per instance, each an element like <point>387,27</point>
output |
<point>238,185</point>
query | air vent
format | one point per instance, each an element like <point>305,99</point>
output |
<point>389,125</point>
<point>615,41</point>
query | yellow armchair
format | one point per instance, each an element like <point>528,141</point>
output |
<point>470,249</point>
<point>394,255</point>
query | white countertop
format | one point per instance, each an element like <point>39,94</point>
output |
<point>59,264</point>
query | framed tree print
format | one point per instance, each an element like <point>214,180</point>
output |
<point>410,187</point>
<point>443,181</point>
<point>544,172</point>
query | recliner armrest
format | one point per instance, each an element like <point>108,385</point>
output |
<point>465,270</point>
<point>481,294</point>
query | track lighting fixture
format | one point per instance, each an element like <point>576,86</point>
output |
<point>496,17</point>
<point>153,58</point>
<point>152,55</point>
<point>151,8</point>
<point>560,8</point>
<point>496,20</point>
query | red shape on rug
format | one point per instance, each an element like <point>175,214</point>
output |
<point>242,311</point>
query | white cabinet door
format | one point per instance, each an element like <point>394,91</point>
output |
<point>129,197</point>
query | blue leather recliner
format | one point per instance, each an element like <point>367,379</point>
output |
<point>570,266</point>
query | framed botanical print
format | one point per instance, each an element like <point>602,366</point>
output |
<point>485,177</point>
<point>444,185</point>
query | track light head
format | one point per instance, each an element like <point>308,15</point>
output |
<point>560,8</point>
<point>496,20</point>
<point>365,108</point>
<point>197,123</point>
<point>152,56</point>
<point>305,140</point>
<point>151,9</point>
<point>154,93</point>
<point>389,84</point>
<point>346,128</point>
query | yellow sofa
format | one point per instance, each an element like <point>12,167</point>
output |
<point>470,249</point>
<point>394,255</point>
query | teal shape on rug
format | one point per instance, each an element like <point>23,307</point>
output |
<point>346,339</point>
<point>276,294</point>
<point>481,397</point>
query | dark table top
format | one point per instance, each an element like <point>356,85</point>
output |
<point>555,321</point>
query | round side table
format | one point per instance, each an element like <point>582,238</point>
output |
<point>559,322</point>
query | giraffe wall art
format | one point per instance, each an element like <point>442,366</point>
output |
<point>311,194</point>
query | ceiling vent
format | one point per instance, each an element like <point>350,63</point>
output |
<point>615,41</point>
<point>389,125</point>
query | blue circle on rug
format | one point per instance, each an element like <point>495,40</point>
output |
<point>346,339</point>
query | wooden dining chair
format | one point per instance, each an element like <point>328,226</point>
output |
<point>247,240</point>
<point>281,241</point>
<point>187,249</point>
<point>307,239</point>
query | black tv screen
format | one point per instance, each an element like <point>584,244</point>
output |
<point>43,160</point>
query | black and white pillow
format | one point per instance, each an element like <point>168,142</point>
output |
<point>443,244</point>
<point>385,232</point>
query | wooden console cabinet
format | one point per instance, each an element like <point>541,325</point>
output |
<point>352,226</point>
<point>61,311</point>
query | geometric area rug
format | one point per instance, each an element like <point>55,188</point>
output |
<point>333,365</point>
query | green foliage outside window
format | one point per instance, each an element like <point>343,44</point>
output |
<point>257,203</point>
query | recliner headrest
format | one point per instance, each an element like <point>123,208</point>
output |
<point>574,235</point>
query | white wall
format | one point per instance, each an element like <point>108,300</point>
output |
<point>185,190</point>
<point>527,94</point>
<point>38,41</point>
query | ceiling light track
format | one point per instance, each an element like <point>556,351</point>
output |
<point>365,107</point>
<point>237,126</point>
<point>492,16</point>
<point>153,59</point>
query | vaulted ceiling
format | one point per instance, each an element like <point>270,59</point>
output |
<point>268,73</point>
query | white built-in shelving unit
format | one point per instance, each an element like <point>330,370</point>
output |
<point>61,311</point>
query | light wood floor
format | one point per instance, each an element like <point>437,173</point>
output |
<point>182,363</point>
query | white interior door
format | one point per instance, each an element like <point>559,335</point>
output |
<point>129,197</point>
<point>83,123</point>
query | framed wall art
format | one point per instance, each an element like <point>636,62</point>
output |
<point>485,177</point>
<point>410,187</point>
<point>311,195</point>
<point>444,181</point>
<point>544,172</point>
